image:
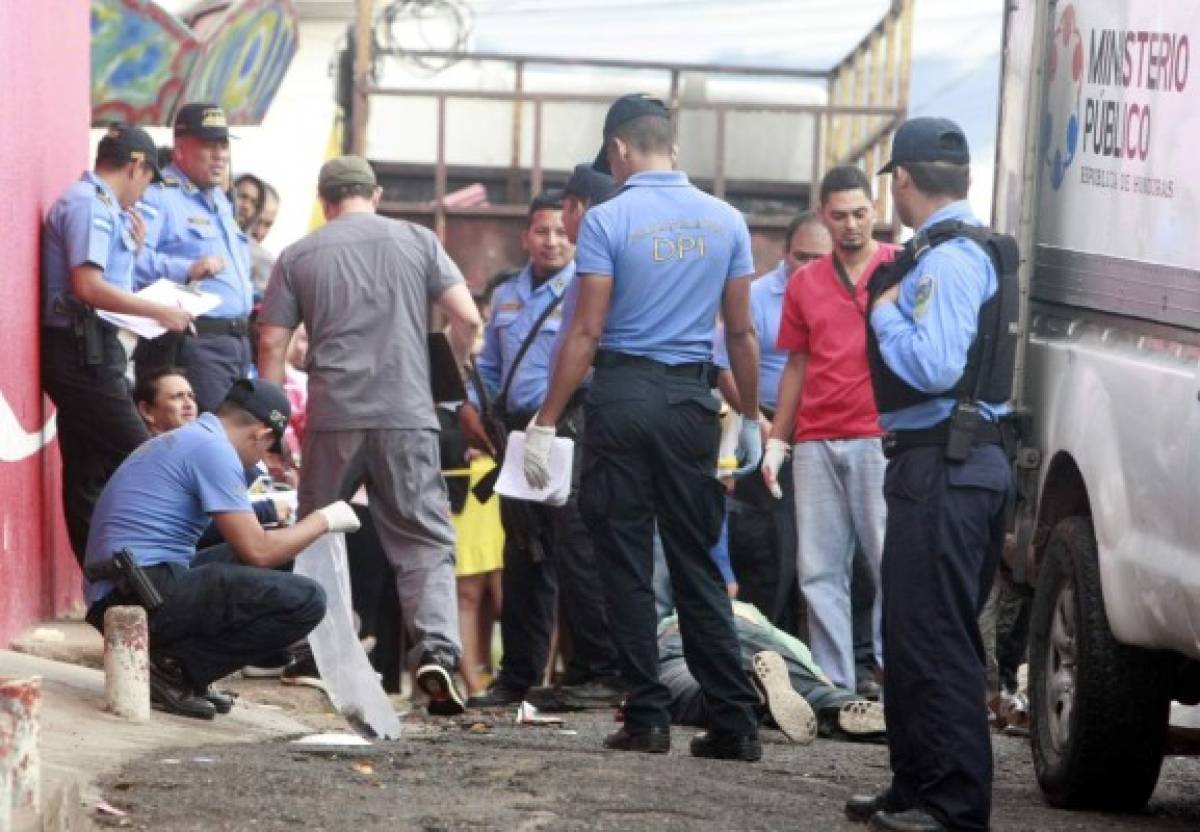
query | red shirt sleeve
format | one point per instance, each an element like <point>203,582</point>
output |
<point>793,328</point>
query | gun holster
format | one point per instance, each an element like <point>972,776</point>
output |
<point>89,337</point>
<point>128,577</point>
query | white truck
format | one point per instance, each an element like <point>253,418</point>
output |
<point>1099,177</point>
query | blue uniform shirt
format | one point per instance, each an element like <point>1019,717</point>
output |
<point>926,335</point>
<point>85,225</point>
<point>766,309</point>
<point>160,500</point>
<point>516,307</point>
<point>183,224</point>
<point>669,249</point>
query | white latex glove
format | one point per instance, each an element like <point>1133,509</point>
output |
<point>340,517</point>
<point>772,461</point>
<point>536,461</point>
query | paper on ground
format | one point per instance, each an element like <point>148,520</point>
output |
<point>167,293</point>
<point>527,714</point>
<point>351,682</point>
<point>511,482</point>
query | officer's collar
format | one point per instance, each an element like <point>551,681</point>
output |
<point>185,184</point>
<point>556,284</point>
<point>778,278</point>
<point>960,210</point>
<point>657,179</point>
<point>90,176</point>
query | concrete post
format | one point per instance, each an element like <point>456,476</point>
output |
<point>6,773</point>
<point>127,663</point>
<point>21,702</point>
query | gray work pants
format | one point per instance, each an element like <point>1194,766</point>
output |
<point>406,495</point>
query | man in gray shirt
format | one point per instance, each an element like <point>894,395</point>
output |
<point>363,286</point>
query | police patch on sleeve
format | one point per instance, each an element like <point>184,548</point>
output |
<point>924,295</point>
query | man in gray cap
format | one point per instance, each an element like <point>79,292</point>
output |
<point>941,344</point>
<point>193,236</point>
<point>362,286</point>
<point>90,240</point>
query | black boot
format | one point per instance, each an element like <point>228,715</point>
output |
<point>653,740</point>
<point>171,692</point>
<point>861,807</point>
<point>715,746</point>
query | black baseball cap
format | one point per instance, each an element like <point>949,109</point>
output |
<point>125,143</point>
<point>624,110</point>
<point>928,139</point>
<point>588,183</point>
<point>266,402</point>
<point>204,119</point>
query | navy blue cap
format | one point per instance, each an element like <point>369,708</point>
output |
<point>590,184</point>
<point>264,401</point>
<point>624,110</point>
<point>203,119</point>
<point>125,143</point>
<point>928,139</point>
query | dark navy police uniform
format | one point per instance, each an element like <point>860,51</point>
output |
<point>945,531</point>
<point>82,363</point>
<point>650,447</point>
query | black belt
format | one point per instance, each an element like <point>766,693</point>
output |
<point>899,441</point>
<point>239,327</point>
<point>695,369</point>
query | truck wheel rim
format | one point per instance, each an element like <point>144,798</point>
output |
<point>1060,668</point>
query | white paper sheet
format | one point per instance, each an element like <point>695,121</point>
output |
<point>511,482</point>
<point>170,294</point>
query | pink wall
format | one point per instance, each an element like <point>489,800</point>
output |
<point>44,99</point>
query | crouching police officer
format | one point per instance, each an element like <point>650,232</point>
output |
<point>654,263</point>
<point>193,235</point>
<point>941,344</point>
<point>223,608</point>
<point>89,243</point>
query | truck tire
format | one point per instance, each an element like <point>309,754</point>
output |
<point>1099,709</point>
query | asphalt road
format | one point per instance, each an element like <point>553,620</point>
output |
<point>482,774</point>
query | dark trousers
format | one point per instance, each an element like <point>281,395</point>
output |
<point>211,362</point>
<point>219,615</point>
<point>945,531</point>
<point>98,425</point>
<point>650,452</point>
<point>548,552</point>
<point>762,548</point>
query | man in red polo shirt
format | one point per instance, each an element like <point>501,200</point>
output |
<point>825,394</point>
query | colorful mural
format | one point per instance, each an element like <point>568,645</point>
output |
<point>245,57</point>
<point>146,62</point>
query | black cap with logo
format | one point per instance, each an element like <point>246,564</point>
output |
<point>264,401</point>
<point>928,139</point>
<point>204,120</point>
<point>124,143</point>
<point>624,110</point>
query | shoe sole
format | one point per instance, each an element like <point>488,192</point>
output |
<point>262,672</point>
<point>789,709</point>
<point>862,719</point>
<point>444,698</point>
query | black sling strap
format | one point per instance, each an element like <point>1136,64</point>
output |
<point>847,283</point>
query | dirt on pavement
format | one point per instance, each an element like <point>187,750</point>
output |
<point>482,772</point>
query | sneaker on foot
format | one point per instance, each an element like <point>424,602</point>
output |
<point>302,670</point>
<point>789,709</point>
<point>857,719</point>
<point>435,676</point>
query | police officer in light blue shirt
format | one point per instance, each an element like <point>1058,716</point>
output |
<point>193,237</point>
<point>91,237</point>
<point>940,386</point>
<point>546,549</point>
<point>655,263</point>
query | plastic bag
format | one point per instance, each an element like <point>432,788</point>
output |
<point>350,680</point>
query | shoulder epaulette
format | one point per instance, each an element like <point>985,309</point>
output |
<point>170,182</point>
<point>103,196</point>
